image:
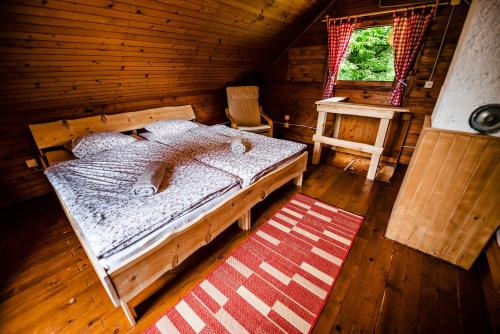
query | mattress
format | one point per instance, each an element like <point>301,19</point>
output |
<point>184,220</point>
<point>212,146</point>
<point>96,192</point>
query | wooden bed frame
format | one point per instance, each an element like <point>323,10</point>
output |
<point>136,278</point>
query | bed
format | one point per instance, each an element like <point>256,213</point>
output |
<point>131,271</point>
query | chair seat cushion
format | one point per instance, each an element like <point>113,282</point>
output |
<point>243,105</point>
<point>261,127</point>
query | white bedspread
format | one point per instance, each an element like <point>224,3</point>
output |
<point>212,145</point>
<point>96,190</point>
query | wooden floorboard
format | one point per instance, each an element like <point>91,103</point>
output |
<point>49,286</point>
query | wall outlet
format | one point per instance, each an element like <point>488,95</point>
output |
<point>287,118</point>
<point>428,84</point>
<point>31,163</point>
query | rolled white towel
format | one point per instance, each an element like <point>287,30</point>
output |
<point>237,145</point>
<point>150,180</point>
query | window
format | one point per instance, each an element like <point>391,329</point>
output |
<point>369,56</point>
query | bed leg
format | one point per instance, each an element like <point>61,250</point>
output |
<point>129,312</point>
<point>298,180</point>
<point>245,221</point>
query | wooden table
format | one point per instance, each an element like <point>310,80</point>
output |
<point>335,106</point>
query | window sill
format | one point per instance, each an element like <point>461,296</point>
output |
<point>371,85</point>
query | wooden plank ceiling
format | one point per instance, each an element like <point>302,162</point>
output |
<point>63,59</point>
<point>91,52</point>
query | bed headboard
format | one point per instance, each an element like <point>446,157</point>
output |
<point>58,133</point>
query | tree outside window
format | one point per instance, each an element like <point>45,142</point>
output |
<point>369,56</point>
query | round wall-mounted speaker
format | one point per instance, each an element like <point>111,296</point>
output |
<point>486,119</point>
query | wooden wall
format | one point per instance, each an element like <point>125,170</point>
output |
<point>65,59</point>
<point>296,82</point>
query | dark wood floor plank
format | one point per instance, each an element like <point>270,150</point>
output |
<point>407,316</point>
<point>473,318</point>
<point>393,292</point>
<point>383,287</point>
<point>428,311</point>
<point>449,321</point>
<point>368,306</point>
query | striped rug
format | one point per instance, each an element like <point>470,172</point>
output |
<point>277,281</point>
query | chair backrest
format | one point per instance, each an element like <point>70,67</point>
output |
<point>243,105</point>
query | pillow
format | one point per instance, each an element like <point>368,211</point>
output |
<point>149,136</point>
<point>171,127</point>
<point>94,143</point>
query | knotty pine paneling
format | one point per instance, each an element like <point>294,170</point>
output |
<point>66,59</point>
<point>296,82</point>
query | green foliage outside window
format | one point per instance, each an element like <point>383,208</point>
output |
<point>369,56</point>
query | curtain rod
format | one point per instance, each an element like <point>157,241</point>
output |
<point>381,12</point>
<point>380,5</point>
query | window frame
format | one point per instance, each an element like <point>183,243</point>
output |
<point>381,85</point>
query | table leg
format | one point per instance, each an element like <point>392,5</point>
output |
<point>336,127</point>
<point>379,142</point>
<point>320,130</point>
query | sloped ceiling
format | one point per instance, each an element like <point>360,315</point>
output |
<point>85,53</point>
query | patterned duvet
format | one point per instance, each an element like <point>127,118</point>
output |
<point>96,190</point>
<point>212,146</point>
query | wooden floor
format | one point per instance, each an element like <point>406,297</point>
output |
<point>49,286</point>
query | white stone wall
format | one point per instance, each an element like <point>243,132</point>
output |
<point>474,75</point>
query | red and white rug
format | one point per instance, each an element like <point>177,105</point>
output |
<point>277,281</point>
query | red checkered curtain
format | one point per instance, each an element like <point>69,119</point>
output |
<point>409,29</point>
<point>338,40</point>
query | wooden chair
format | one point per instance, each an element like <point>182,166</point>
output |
<point>244,111</point>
